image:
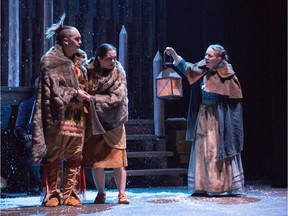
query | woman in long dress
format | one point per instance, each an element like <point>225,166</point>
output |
<point>105,145</point>
<point>215,123</point>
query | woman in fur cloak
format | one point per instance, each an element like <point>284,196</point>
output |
<point>214,124</point>
<point>59,119</point>
<point>105,145</point>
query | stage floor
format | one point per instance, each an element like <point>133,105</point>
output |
<point>257,199</point>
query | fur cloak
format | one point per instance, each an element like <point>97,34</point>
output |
<point>109,102</point>
<point>58,83</point>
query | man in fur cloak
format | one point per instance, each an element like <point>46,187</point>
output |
<point>59,120</point>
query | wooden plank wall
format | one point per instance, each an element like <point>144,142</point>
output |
<point>98,21</point>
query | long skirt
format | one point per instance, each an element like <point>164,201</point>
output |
<point>98,151</point>
<point>205,172</point>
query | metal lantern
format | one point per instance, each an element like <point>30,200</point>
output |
<point>168,82</point>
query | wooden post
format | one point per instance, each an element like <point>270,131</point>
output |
<point>13,44</point>
<point>159,124</point>
<point>47,22</point>
<point>123,49</point>
<point>88,33</point>
<point>26,57</point>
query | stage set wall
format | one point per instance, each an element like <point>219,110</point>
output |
<point>254,34</point>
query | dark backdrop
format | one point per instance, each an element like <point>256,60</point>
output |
<point>254,32</point>
<point>255,35</point>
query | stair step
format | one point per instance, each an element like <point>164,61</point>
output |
<point>139,126</point>
<point>142,137</point>
<point>149,154</point>
<point>140,122</point>
<point>155,172</point>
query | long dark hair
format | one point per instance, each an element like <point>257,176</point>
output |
<point>101,51</point>
<point>94,70</point>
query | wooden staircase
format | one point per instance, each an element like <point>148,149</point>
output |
<point>148,158</point>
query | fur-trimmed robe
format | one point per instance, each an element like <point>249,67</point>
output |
<point>223,81</point>
<point>109,102</point>
<point>58,83</point>
<point>225,84</point>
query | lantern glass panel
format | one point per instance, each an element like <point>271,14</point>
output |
<point>169,88</point>
<point>177,87</point>
<point>164,87</point>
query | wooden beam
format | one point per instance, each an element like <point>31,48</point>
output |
<point>149,154</point>
<point>14,95</point>
<point>13,44</point>
<point>142,137</point>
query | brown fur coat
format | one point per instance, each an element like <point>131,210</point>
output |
<point>57,85</point>
<point>109,102</point>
